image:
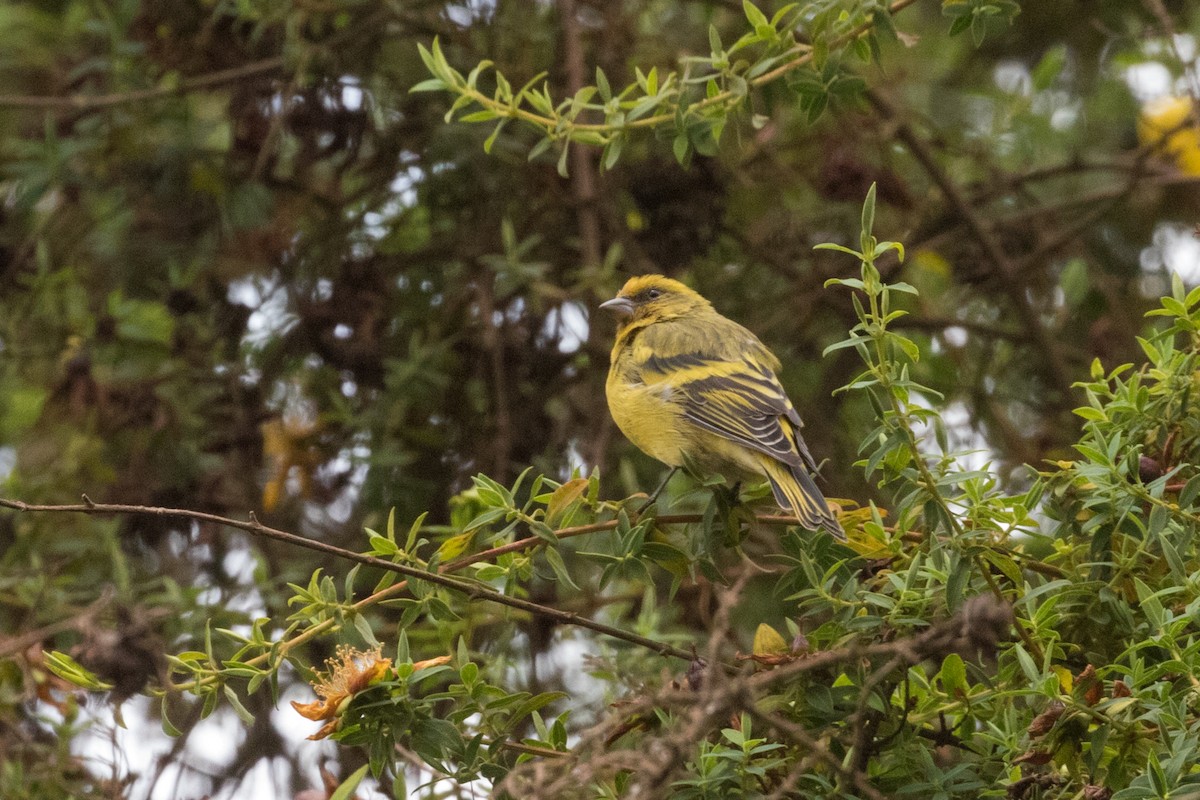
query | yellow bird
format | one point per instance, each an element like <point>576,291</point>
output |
<point>688,384</point>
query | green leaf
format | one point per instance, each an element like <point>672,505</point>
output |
<point>542,146</point>
<point>491,139</point>
<point>479,116</point>
<point>868,211</point>
<point>563,498</point>
<point>769,642</point>
<point>243,713</point>
<point>1157,778</point>
<point>602,85</point>
<point>953,674</point>
<point>960,24</point>
<point>543,532</point>
<point>612,152</point>
<point>563,171</point>
<point>754,16</point>
<point>1031,670</point>
<point>1091,414</point>
<point>346,789</point>
<point>363,626</point>
<point>853,283</point>
<point>554,558</point>
<point>1187,497</point>
<point>382,546</point>
<point>151,323</point>
<point>168,727</point>
<point>682,149</point>
<point>430,85</point>
<point>714,41</point>
<point>1049,68</point>
<point>70,670</point>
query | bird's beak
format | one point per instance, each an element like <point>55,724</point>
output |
<point>621,306</point>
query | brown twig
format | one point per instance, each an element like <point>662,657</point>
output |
<point>81,621</point>
<point>90,102</point>
<point>818,750</point>
<point>1006,269</point>
<point>583,168</point>
<point>978,628</point>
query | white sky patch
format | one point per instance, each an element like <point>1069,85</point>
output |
<point>970,447</point>
<point>354,461</point>
<point>8,461</point>
<point>352,93</point>
<point>569,655</point>
<point>1013,77</point>
<point>1148,80</point>
<point>212,745</point>
<point>239,565</point>
<point>1152,79</point>
<point>575,460</point>
<point>470,11</point>
<point>1064,117</point>
<point>270,318</point>
<point>377,223</point>
<point>955,336</point>
<point>974,452</point>
<point>404,185</point>
<point>567,325</point>
<point>1173,248</point>
<point>1063,110</point>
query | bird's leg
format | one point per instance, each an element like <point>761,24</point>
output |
<point>650,500</point>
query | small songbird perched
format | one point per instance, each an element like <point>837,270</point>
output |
<point>687,384</point>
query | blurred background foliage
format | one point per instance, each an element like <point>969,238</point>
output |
<point>243,268</point>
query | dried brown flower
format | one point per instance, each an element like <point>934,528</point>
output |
<point>349,672</point>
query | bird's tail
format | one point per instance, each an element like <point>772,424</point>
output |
<point>795,491</point>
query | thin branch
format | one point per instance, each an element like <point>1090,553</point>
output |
<point>92,102</point>
<point>531,542</point>
<point>935,324</point>
<point>980,625</point>
<point>1006,270</point>
<point>472,591</point>
<point>803,738</point>
<point>396,589</point>
<point>583,168</point>
<point>81,621</point>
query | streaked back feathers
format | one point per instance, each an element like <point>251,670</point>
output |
<point>687,384</point>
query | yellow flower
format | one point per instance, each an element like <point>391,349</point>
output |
<point>349,672</point>
<point>1169,122</point>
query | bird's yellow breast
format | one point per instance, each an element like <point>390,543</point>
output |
<point>646,415</point>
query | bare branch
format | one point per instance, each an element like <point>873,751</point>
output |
<point>89,102</point>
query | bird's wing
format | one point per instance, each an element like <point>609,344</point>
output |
<point>726,385</point>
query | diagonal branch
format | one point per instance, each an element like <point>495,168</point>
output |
<point>1006,270</point>
<point>472,591</point>
<point>92,102</point>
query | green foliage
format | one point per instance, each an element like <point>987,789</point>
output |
<point>693,106</point>
<point>1098,560</point>
<point>245,268</point>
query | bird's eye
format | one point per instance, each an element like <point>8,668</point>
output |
<point>654,294</point>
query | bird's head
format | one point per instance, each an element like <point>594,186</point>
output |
<point>654,298</point>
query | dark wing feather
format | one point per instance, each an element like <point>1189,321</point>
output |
<point>748,406</point>
<point>730,388</point>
